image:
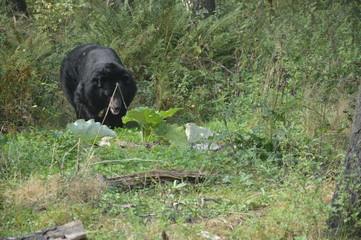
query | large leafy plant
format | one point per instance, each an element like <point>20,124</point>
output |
<point>153,122</point>
<point>89,130</point>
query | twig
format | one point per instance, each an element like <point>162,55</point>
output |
<point>220,65</point>
<point>204,200</point>
<point>127,160</point>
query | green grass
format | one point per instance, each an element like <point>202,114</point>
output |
<point>262,200</point>
<point>277,86</point>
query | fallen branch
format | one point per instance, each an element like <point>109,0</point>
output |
<point>127,160</point>
<point>155,176</point>
<point>123,144</point>
<point>70,231</point>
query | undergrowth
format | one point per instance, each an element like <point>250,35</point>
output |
<point>276,83</point>
<point>248,192</point>
<point>272,65</point>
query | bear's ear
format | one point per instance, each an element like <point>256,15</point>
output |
<point>109,68</point>
<point>126,78</point>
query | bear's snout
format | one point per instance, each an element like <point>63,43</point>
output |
<point>115,111</point>
<point>115,104</point>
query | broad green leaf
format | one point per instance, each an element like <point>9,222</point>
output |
<point>143,116</point>
<point>176,135</point>
<point>89,130</point>
<point>152,122</point>
<point>169,113</point>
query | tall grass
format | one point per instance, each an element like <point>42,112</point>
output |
<point>293,64</point>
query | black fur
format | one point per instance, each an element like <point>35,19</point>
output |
<point>89,75</point>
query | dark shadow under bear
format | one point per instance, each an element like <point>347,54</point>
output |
<point>97,85</point>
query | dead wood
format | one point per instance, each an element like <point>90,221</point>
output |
<point>164,235</point>
<point>155,176</point>
<point>70,231</point>
<point>123,144</point>
<point>127,160</point>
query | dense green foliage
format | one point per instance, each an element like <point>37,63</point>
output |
<point>276,83</point>
<point>151,122</point>
<point>295,60</point>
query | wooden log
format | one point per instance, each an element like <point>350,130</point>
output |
<point>124,144</point>
<point>155,176</point>
<point>70,231</point>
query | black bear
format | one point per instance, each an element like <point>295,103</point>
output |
<point>97,85</point>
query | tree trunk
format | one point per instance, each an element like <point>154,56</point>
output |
<point>206,7</point>
<point>346,200</point>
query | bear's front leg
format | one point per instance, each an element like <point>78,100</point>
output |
<point>82,109</point>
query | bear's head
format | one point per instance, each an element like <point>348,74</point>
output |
<point>115,89</point>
